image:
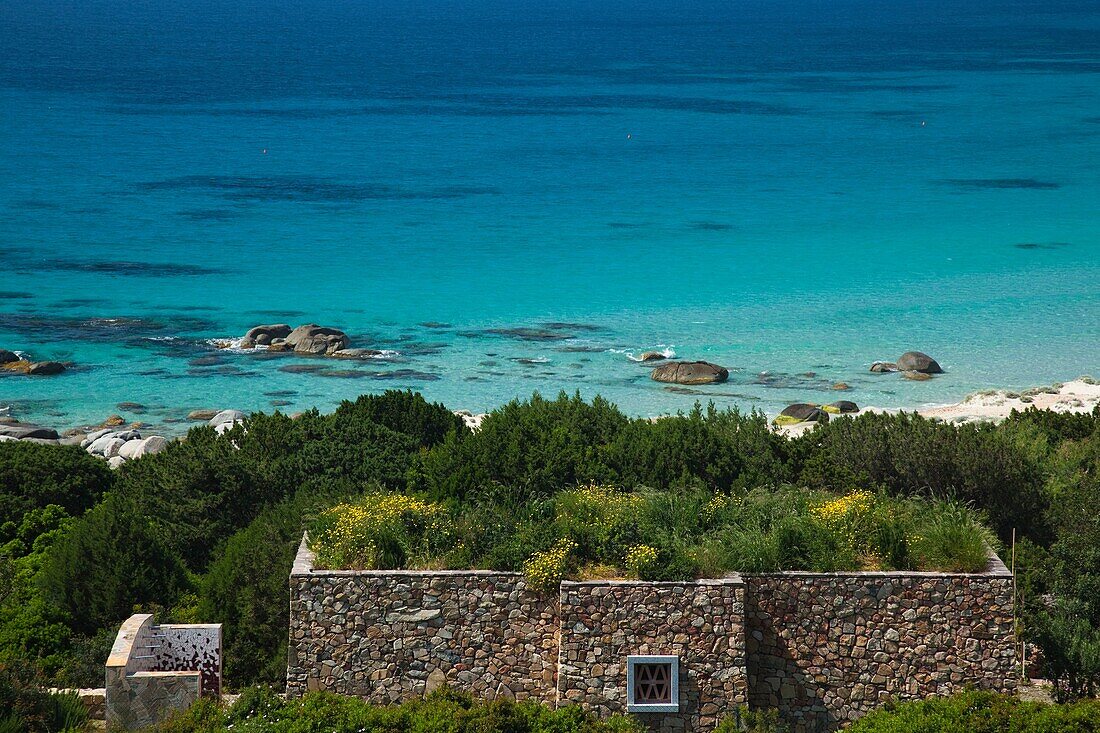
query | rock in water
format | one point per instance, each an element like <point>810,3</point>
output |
<point>690,372</point>
<point>355,353</point>
<point>884,366</point>
<point>916,361</point>
<point>264,335</point>
<point>45,368</point>
<point>227,416</point>
<point>201,414</point>
<point>804,412</point>
<point>916,376</point>
<point>6,357</point>
<point>22,431</point>
<point>841,386</point>
<point>652,356</point>
<point>314,339</point>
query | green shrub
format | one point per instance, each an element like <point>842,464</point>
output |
<point>246,589</point>
<point>26,707</point>
<point>404,412</point>
<point>443,711</point>
<point>381,531</point>
<point>980,712</point>
<point>977,464</point>
<point>537,447</point>
<point>107,563</point>
<point>950,539</point>
<point>33,476</point>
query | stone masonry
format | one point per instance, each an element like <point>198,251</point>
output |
<point>823,649</point>
<point>700,622</point>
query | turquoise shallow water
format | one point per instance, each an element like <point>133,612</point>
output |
<point>787,188</point>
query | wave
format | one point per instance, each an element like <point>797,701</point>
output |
<point>667,352</point>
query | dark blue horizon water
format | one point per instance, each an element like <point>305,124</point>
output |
<point>781,187</point>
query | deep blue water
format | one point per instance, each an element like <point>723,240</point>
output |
<point>787,187</point>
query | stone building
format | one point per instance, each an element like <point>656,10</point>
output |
<point>822,648</point>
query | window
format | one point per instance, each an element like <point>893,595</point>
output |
<point>653,684</point>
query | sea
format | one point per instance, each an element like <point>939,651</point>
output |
<point>510,197</point>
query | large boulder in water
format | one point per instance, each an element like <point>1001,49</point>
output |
<point>690,372</point>
<point>264,335</point>
<point>916,361</point>
<point>314,339</point>
<point>804,412</point>
<point>6,357</point>
<point>226,416</point>
<point>23,431</point>
<point>45,368</point>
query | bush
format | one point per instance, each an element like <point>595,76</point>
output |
<point>25,707</point>
<point>246,589</point>
<point>107,563</point>
<point>443,711</point>
<point>1071,652</point>
<point>404,412</point>
<point>980,712</point>
<point>381,532</point>
<point>978,464</point>
<point>33,476</point>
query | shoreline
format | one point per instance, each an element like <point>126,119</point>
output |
<point>1080,395</point>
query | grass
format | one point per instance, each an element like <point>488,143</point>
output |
<point>601,532</point>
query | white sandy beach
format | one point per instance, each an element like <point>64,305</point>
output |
<point>1079,395</point>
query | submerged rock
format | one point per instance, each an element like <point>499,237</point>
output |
<point>201,414</point>
<point>264,335</point>
<point>917,361</point>
<point>690,372</point>
<point>355,353</point>
<point>916,376</point>
<point>314,339</point>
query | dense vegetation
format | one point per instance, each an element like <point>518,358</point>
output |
<point>207,529</point>
<point>981,712</point>
<point>603,532</point>
<point>260,710</point>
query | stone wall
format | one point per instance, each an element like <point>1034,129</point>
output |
<point>827,648</point>
<point>821,648</point>
<point>602,623</point>
<point>392,635</point>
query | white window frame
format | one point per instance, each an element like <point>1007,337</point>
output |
<point>674,679</point>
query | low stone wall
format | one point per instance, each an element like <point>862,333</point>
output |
<point>701,623</point>
<point>824,649</point>
<point>392,635</point>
